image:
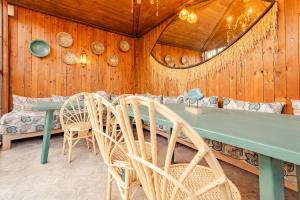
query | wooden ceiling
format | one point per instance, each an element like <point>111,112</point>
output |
<point>210,30</point>
<point>111,15</point>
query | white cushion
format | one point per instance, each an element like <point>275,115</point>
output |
<point>296,106</point>
<point>21,103</point>
<point>274,107</point>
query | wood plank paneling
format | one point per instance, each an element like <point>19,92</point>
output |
<point>261,76</point>
<point>41,77</point>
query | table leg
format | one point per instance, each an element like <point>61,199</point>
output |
<point>298,179</point>
<point>46,137</point>
<point>271,178</point>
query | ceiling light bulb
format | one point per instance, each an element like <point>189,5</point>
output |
<point>192,18</point>
<point>229,19</point>
<point>250,11</point>
<point>184,13</point>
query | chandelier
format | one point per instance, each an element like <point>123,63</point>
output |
<point>133,2</point>
<point>242,22</point>
<point>191,17</point>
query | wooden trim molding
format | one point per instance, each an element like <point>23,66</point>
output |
<point>5,66</point>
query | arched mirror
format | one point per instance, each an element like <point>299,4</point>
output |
<point>206,28</point>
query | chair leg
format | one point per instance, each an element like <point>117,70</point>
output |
<point>64,145</point>
<point>70,142</point>
<point>94,144</point>
<point>126,189</point>
<point>109,186</point>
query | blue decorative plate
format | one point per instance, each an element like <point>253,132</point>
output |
<point>39,48</point>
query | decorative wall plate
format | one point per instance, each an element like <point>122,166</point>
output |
<point>124,46</point>
<point>39,48</point>
<point>184,60</point>
<point>64,39</point>
<point>168,59</point>
<point>69,58</point>
<point>113,60</point>
<point>97,48</point>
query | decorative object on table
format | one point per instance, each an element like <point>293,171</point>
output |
<point>39,48</point>
<point>192,96</point>
<point>168,59</point>
<point>113,60</point>
<point>97,48</point>
<point>64,39</point>
<point>184,60</point>
<point>124,46</point>
<point>83,58</point>
<point>69,58</point>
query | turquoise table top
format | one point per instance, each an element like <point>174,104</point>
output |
<point>273,135</point>
<point>44,106</point>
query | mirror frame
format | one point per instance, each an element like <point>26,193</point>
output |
<point>227,47</point>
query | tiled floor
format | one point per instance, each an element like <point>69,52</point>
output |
<point>22,177</point>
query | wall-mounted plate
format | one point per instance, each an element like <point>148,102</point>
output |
<point>97,48</point>
<point>69,58</point>
<point>124,46</point>
<point>39,48</point>
<point>113,60</point>
<point>64,39</point>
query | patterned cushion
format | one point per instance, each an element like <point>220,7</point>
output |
<point>158,98</point>
<point>25,122</point>
<point>275,107</point>
<point>103,94</point>
<point>205,102</point>
<point>296,106</point>
<point>22,104</point>
<point>173,100</point>
<point>56,98</point>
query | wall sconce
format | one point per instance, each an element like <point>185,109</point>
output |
<point>83,59</point>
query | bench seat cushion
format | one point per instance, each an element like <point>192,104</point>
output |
<point>25,122</point>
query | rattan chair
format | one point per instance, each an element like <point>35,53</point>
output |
<point>169,181</point>
<point>75,122</point>
<point>112,146</point>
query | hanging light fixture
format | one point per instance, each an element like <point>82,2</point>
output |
<point>191,17</point>
<point>83,59</point>
<point>140,2</point>
<point>184,13</point>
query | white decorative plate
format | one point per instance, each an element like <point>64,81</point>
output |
<point>184,60</point>
<point>97,48</point>
<point>168,59</point>
<point>69,58</point>
<point>64,39</point>
<point>124,46</point>
<point>113,60</point>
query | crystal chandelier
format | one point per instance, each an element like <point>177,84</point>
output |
<point>133,2</point>
<point>191,17</point>
<point>241,23</point>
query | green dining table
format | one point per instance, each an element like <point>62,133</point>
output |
<point>274,137</point>
<point>49,107</point>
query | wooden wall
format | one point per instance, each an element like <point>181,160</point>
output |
<point>260,77</point>
<point>161,50</point>
<point>41,77</point>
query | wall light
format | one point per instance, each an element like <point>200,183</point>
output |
<point>83,59</point>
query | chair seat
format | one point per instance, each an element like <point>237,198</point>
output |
<point>80,126</point>
<point>199,178</point>
<point>119,155</point>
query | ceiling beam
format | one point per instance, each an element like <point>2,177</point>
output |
<point>218,25</point>
<point>136,18</point>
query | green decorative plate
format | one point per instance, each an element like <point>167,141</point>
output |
<point>39,48</point>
